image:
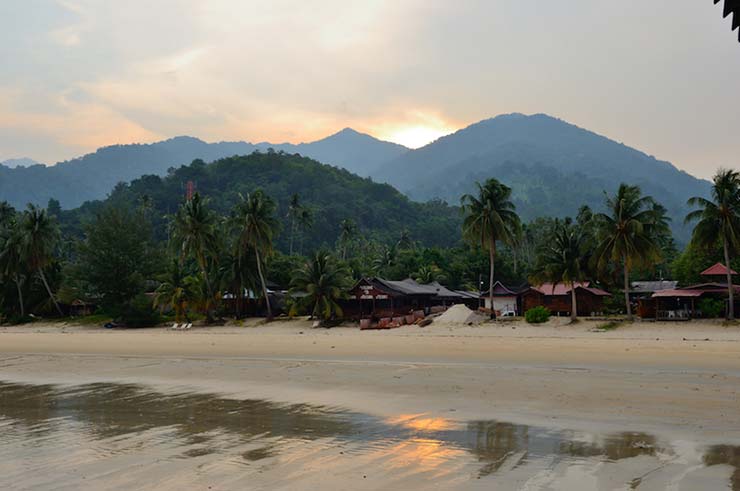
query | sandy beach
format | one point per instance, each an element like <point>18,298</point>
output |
<point>679,381</point>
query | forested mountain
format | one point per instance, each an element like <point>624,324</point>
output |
<point>553,167</point>
<point>93,176</point>
<point>330,194</point>
<point>22,162</point>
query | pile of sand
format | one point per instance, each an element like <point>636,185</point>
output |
<point>459,314</point>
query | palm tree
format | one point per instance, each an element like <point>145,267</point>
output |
<point>324,281</point>
<point>305,222</point>
<point>347,231</point>
<point>194,229</point>
<point>490,217</point>
<point>386,260</point>
<point>719,220</point>
<point>11,257</point>
<point>256,226</point>
<point>175,291</point>
<point>294,211</point>
<point>562,260</point>
<point>428,274</point>
<point>39,236</point>
<point>404,241</point>
<point>628,234</point>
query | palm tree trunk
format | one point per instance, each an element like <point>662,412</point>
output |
<point>209,292</point>
<point>627,290</point>
<point>730,286</point>
<point>264,285</point>
<point>491,258</point>
<point>292,233</point>
<point>20,296</point>
<point>48,290</point>
<point>573,305</point>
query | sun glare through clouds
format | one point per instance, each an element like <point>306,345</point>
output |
<point>416,136</point>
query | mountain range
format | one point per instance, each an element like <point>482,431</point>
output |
<point>94,175</point>
<point>21,162</point>
<point>553,167</point>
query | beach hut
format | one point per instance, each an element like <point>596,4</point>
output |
<point>557,298</point>
<point>505,299</point>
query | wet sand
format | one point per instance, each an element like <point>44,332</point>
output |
<point>675,382</point>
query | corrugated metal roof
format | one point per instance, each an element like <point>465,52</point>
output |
<point>652,286</point>
<point>679,293</point>
<point>558,289</point>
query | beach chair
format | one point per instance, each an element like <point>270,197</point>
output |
<point>187,326</point>
<point>175,326</point>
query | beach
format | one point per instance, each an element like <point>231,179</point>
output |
<point>677,381</point>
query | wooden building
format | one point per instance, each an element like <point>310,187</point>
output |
<point>557,298</point>
<point>505,299</point>
<point>374,298</point>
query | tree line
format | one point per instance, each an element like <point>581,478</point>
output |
<point>206,260</point>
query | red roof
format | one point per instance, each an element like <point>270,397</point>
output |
<point>563,289</point>
<point>718,269</point>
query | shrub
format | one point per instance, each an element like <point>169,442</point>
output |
<point>537,315</point>
<point>711,307</point>
<point>140,313</point>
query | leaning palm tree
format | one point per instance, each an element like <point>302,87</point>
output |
<point>719,221</point>
<point>39,236</point>
<point>347,231</point>
<point>256,226</point>
<point>627,234</point>
<point>490,217</point>
<point>194,229</point>
<point>562,259</point>
<point>322,282</point>
<point>404,241</point>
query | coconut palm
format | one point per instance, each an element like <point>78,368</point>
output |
<point>562,259</point>
<point>294,210</point>
<point>404,241</point>
<point>194,229</point>
<point>718,220</point>
<point>174,292</point>
<point>347,231</point>
<point>12,265</point>
<point>627,234</point>
<point>305,222</point>
<point>429,274</point>
<point>490,217</point>
<point>256,226</point>
<point>322,281</point>
<point>385,260</point>
<point>39,236</point>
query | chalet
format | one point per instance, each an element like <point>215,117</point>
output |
<point>379,298</point>
<point>683,303</point>
<point>557,298</point>
<point>505,299</point>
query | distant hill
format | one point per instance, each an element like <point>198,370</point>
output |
<point>553,167</point>
<point>22,162</point>
<point>333,194</point>
<point>94,175</point>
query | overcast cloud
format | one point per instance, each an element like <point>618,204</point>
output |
<point>79,74</point>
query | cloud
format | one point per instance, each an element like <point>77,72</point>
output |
<point>296,70</point>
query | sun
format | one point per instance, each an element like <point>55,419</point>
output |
<point>416,136</point>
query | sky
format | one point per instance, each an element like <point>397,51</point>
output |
<point>76,75</point>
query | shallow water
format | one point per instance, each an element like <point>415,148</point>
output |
<point>112,436</point>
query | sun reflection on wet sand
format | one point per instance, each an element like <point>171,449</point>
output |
<point>126,436</point>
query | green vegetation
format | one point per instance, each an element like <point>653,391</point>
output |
<point>629,234</point>
<point>719,221</point>
<point>537,315</point>
<point>490,217</point>
<point>711,307</point>
<point>146,253</point>
<point>564,259</point>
